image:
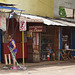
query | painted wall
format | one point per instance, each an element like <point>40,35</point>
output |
<point>64,3</point>
<point>2,0</point>
<point>35,7</point>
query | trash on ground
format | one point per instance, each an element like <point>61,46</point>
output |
<point>29,72</point>
<point>5,67</point>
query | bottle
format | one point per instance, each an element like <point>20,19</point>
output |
<point>48,57</point>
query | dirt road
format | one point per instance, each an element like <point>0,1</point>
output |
<point>50,69</point>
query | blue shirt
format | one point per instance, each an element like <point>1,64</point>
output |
<point>11,46</point>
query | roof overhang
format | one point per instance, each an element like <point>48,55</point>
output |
<point>53,22</point>
<point>33,20</point>
<point>65,23</point>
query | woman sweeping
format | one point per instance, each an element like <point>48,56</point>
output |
<point>12,46</point>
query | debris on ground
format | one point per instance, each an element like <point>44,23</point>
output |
<point>5,68</point>
<point>30,72</point>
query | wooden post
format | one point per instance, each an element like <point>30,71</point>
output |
<point>9,59</point>
<point>6,61</point>
<point>59,46</point>
<point>23,45</point>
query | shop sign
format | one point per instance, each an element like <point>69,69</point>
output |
<point>36,28</point>
<point>22,26</point>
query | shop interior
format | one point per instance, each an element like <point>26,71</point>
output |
<point>68,42</point>
<point>47,37</point>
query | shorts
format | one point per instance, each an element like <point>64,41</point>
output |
<point>13,55</point>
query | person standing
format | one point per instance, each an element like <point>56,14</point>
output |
<point>12,46</point>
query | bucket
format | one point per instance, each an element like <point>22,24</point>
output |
<point>48,58</point>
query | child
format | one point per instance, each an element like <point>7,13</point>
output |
<point>50,51</point>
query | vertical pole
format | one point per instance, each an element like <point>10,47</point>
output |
<point>59,45</point>
<point>36,39</point>
<point>71,38</point>
<point>60,41</point>
<point>23,45</point>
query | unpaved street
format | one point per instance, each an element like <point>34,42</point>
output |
<point>50,69</point>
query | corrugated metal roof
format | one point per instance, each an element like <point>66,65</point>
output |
<point>49,21</point>
<point>65,23</point>
<point>34,20</point>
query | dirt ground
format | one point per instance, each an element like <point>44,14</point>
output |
<point>47,68</point>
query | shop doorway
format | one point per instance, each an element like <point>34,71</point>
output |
<point>33,47</point>
<point>73,38</point>
<point>49,36</point>
<point>66,37</point>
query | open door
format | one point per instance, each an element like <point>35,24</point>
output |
<point>73,40</point>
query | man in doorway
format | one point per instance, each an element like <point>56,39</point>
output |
<point>50,51</point>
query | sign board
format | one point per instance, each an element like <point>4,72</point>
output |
<point>22,26</point>
<point>64,3</point>
<point>36,28</point>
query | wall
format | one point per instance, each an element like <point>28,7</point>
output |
<point>2,0</point>
<point>64,3</point>
<point>35,7</point>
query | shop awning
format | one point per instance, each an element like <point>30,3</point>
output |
<point>65,22</point>
<point>46,21</point>
<point>10,8</point>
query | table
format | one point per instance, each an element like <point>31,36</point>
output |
<point>68,49</point>
<point>67,54</point>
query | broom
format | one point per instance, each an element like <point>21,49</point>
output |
<point>14,56</point>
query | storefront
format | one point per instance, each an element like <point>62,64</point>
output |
<point>38,38</point>
<point>4,25</point>
<point>34,51</point>
<point>31,38</point>
<point>35,29</point>
<point>56,36</point>
<point>49,36</point>
<point>39,33</point>
<point>67,38</point>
